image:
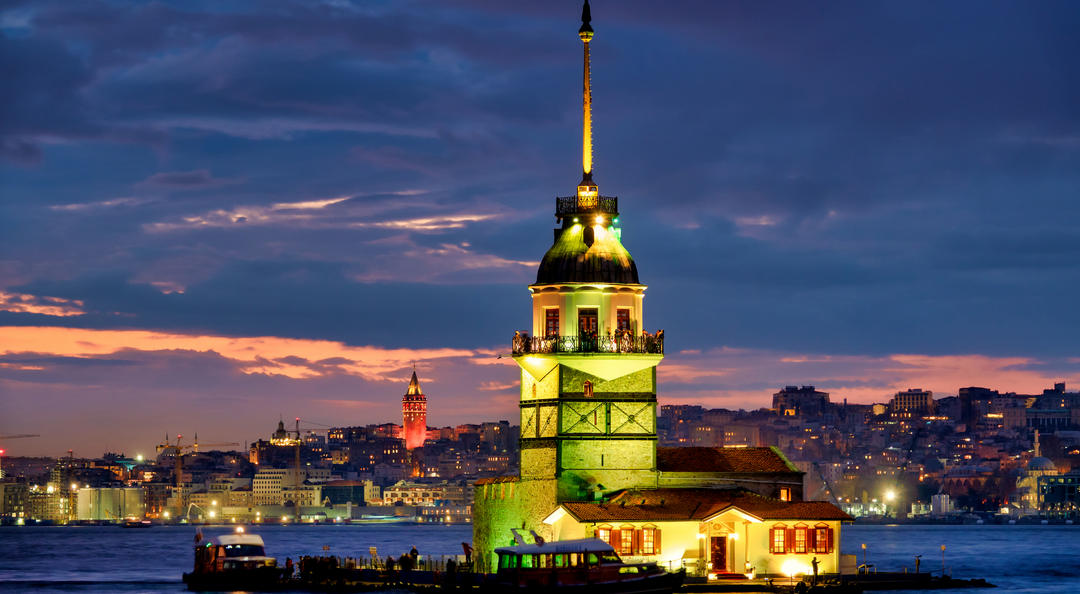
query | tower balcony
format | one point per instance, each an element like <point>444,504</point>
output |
<point>576,205</point>
<point>625,344</point>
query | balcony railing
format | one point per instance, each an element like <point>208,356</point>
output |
<point>652,344</point>
<point>573,205</point>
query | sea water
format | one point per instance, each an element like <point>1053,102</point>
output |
<point>95,560</point>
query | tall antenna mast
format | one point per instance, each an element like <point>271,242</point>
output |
<point>586,34</point>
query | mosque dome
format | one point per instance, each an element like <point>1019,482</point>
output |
<point>587,254</point>
<point>1043,464</point>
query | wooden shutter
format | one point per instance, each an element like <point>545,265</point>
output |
<point>811,540</point>
<point>656,541</point>
<point>789,541</point>
<point>639,544</point>
<point>829,534</point>
<point>616,540</point>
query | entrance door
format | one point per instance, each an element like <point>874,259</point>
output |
<point>587,322</point>
<point>718,553</point>
<point>588,325</point>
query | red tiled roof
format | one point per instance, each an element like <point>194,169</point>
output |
<point>697,504</point>
<point>737,460</point>
<point>496,479</point>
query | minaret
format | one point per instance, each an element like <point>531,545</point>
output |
<point>588,371</point>
<point>414,414</point>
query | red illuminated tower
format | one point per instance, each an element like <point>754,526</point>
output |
<point>414,415</point>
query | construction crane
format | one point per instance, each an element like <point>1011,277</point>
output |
<point>177,474</point>
<point>12,436</point>
<point>297,442</point>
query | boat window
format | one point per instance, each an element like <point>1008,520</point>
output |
<point>575,559</point>
<point>244,550</point>
<point>528,561</point>
<point>611,558</point>
<point>508,561</point>
<point>593,560</point>
<point>560,560</point>
<point>628,569</point>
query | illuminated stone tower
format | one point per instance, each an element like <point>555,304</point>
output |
<point>588,372</point>
<point>414,415</point>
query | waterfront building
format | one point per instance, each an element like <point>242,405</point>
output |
<point>1060,495</point>
<point>355,492</point>
<point>414,415</point>
<point>14,498</point>
<point>589,461</point>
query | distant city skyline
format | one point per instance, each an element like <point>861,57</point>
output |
<point>213,218</point>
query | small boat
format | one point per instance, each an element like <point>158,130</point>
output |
<point>590,565</point>
<point>233,562</point>
<point>136,523</point>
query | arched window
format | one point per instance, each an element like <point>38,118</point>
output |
<point>603,532</point>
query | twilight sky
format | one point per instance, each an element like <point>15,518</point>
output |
<point>216,213</point>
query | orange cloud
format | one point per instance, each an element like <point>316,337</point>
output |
<point>50,306</point>
<point>296,358</point>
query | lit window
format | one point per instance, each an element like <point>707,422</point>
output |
<point>800,540</point>
<point>778,540</point>
<point>551,326</point>
<point>785,494</point>
<point>626,544</point>
<point>648,541</point>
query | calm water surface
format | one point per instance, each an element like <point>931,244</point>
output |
<point>95,560</point>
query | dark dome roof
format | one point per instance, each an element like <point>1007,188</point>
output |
<point>570,260</point>
<point>1041,463</point>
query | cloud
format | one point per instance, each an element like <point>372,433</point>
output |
<point>267,355</point>
<point>48,306</point>
<point>747,378</point>
<point>102,204</point>
<point>197,179</point>
<point>224,388</point>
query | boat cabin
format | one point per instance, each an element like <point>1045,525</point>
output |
<point>565,563</point>
<point>231,552</point>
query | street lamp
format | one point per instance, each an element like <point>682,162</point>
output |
<point>943,561</point>
<point>864,553</point>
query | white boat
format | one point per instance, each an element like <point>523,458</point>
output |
<point>233,562</point>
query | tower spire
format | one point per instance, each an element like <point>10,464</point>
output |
<point>586,34</point>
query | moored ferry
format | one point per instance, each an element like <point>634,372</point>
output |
<point>581,564</point>
<point>233,562</point>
